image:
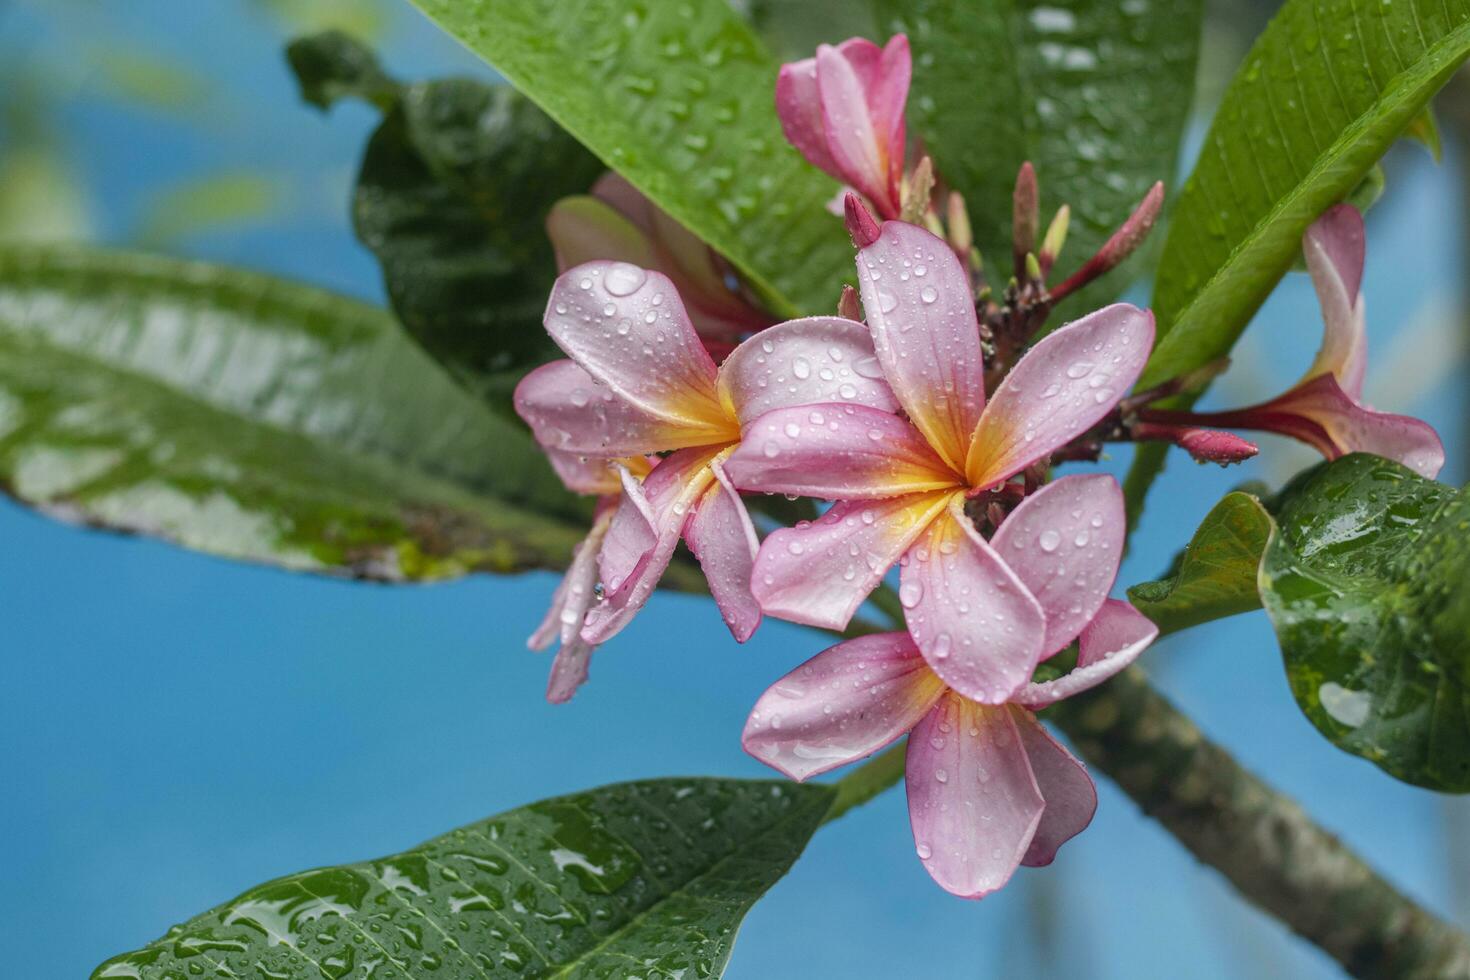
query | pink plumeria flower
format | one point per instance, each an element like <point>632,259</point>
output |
<point>843,110</point>
<point>617,222</point>
<point>640,382</point>
<point>1325,409</point>
<point>981,618</point>
<point>989,789</point>
<point>577,591</point>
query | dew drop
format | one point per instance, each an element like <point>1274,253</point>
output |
<point>792,429</point>
<point>801,368</point>
<point>624,279</point>
<point>928,294</point>
<point>910,593</point>
<point>1079,369</point>
<point>1050,540</point>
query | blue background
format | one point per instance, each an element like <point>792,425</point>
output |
<point>175,728</point>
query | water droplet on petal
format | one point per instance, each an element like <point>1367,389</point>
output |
<point>623,279</point>
<point>1049,540</point>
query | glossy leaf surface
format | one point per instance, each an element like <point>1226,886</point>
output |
<point>259,419</point>
<point>1216,573</point>
<point>679,98</point>
<point>1322,94</point>
<point>1365,581</point>
<point>647,879</point>
<point>1093,92</point>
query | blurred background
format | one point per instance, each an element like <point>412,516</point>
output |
<point>175,728</point>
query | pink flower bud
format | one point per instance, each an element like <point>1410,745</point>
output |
<point>843,109</point>
<point>860,224</point>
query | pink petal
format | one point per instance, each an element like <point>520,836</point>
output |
<point>887,99</point>
<point>1071,797</point>
<point>632,535</point>
<point>1321,414</point>
<point>1062,387</point>
<point>845,703</point>
<point>569,604</point>
<point>1064,542</point>
<point>627,327</point>
<point>1334,247</point>
<point>802,362</point>
<point>584,474</point>
<point>799,105</point>
<point>974,804</point>
<point>584,228</point>
<point>837,452</point>
<point>819,573</point>
<point>973,618</point>
<point>922,316</point>
<point>571,412</point>
<point>847,125</point>
<point>723,539</point>
<point>668,496</point>
<point>1112,641</point>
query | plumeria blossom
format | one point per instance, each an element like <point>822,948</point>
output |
<point>1325,409</point>
<point>639,382</point>
<point>577,590</point>
<point>615,221</point>
<point>843,109</point>
<point>988,788</point>
<point>981,616</point>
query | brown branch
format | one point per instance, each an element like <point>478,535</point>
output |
<point>1263,842</point>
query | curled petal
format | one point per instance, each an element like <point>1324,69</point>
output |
<point>627,327</point>
<point>1064,542</point>
<point>1334,247</point>
<point>803,362</point>
<point>922,316</point>
<point>1071,797</point>
<point>1351,428</point>
<point>819,573</point>
<point>845,703</point>
<point>837,452</point>
<point>971,616</point>
<point>723,539</point>
<point>847,124</point>
<point>1112,641</point>
<point>654,516</point>
<point>569,604</point>
<point>570,412</point>
<point>583,228</point>
<point>974,804</point>
<point>1063,386</point>
<point>587,474</point>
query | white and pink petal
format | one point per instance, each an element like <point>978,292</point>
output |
<point>845,703</point>
<point>1071,797</point>
<point>974,803</point>
<point>1113,640</point>
<point>723,540</point>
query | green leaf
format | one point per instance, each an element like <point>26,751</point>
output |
<point>1093,92</point>
<point>646,879</point>
<point>259,419</point>
<point>1364,580</point>
<point>452,198</point>
<point>1325,90</point>
<point>792,29</point>
<point>1216,573</point>
<point>679,98</point>
<point>332,66</point>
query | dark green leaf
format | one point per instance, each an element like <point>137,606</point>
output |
<point>792,29</point>
<point>332,65</point>
<point>1216,574</point>
<point>452,199</point>
<point>1093,92</point>
<point>257,419</point>
<point>1365,581</point>
<point>647,879</point>
<point>1326,89</point>
<point>679,98</point>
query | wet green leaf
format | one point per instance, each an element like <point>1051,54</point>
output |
<point>646,879</point>
<point>1364,580</point>
<point>679,98</point>
<point>1326,89</point>
<point>452,198</point>
<point>259,419</point>
<point>1093,92</point>
<point>1216,573</point>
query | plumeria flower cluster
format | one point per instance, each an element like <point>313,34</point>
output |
<point>930,423</point>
